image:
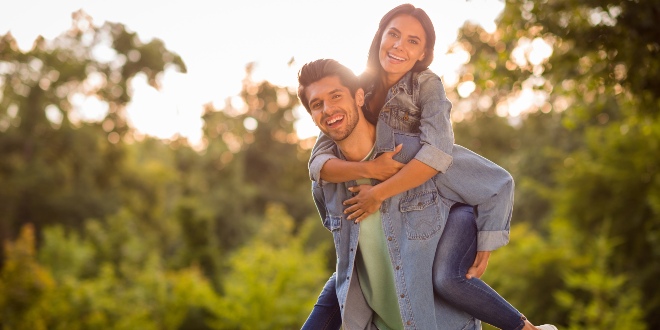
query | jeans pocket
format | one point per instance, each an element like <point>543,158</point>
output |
<point>422,214</point>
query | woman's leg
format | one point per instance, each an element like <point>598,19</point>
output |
<point>326,314</point>
<point>456,253</point>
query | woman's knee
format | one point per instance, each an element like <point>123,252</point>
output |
<point>446,284</point>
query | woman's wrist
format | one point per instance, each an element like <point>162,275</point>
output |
<point>378,193</point>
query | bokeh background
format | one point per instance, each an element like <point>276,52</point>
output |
<point>153,156</point>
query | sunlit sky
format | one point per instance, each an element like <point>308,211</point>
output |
<point>216,39</point>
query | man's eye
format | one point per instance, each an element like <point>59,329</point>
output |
<point>336,96</point>
<point>316,105</point>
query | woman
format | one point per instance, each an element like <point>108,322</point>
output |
<point>404,94</point>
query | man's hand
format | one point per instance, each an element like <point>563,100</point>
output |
<point>383,166</point>
<point>363,204</point>
<point>479,266</point>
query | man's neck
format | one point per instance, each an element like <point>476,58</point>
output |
<point>359,144</point>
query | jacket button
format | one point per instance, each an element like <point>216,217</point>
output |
<point>389,238</point>
<point>397,267</point>
<point>402,295</point>
<point>419,204</point>
<point>408,322</point>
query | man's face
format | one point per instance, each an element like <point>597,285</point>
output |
<point>334,110</point>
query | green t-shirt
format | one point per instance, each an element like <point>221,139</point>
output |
<point>375,272</point>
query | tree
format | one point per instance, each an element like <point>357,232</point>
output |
<point>57,168</point>
<point>591,69</point>
<point>274,280</point>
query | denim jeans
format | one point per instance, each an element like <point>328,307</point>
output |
<point>455,255</point>
<point>326,314</point>
<point>456,252</point>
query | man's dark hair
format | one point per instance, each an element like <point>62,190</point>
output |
<point>319,69</point>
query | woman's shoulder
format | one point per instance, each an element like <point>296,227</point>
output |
<point>426,75</point>
<point>428,79</point>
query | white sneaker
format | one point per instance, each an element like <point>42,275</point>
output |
<point>547,327</point>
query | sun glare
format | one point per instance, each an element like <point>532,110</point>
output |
<point>217,41</point>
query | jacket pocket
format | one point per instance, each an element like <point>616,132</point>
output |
<point>404,118</point>
<point>333,223</point>
<point>422,214</point>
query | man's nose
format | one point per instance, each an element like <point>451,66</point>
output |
<point>328,108</point>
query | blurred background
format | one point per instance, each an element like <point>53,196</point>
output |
<point>153,156</point>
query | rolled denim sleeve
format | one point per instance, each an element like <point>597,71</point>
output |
<point>477,181</point>
<point>322,152</point>
<point>437,135</point>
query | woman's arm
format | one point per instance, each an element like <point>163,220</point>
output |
<point>368,198</point>
<point>323,164</point>
<point>381,168</point>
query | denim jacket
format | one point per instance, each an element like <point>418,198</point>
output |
<point>413,223</point>
<point>418,104</point>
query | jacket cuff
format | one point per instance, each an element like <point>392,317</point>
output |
<point>316,165</point>
<point>434,157</point>
<point>492,240</point>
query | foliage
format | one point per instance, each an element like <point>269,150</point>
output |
<point>272,276</point>
<point>103,228</point>
<point>588,143</point>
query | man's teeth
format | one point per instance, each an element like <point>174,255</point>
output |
<point>334,120</point>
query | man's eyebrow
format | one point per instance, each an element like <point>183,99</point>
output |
<point>334,91</point>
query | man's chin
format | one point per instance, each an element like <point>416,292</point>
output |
<point>337,136</point>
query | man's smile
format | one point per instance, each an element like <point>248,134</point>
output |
<point>334,121</point>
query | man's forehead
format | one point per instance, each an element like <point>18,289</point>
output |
<point>326,85</point>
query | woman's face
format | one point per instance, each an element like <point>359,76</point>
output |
<point>403,44</point>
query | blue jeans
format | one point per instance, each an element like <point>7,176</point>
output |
<point>326,314</point>
<point>455,255</point>
<point>456,251</point>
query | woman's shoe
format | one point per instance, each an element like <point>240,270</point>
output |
<point>547,327</point>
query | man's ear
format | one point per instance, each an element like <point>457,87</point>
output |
<point>359,97</point>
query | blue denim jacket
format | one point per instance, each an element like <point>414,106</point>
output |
<point>418,104</point>
<point>413,223</point>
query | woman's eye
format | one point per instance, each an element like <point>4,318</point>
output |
<point>414,42</point>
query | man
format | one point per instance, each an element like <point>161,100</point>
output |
<point>388,281</point>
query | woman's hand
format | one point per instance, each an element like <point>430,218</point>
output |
<point>383,166</point>
<point>479,266</point>
<point>363,204</point>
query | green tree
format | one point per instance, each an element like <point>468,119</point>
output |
<point>588,143</point>
<point>25,285</point>
<point>274,279</point>
<point>57,168</point>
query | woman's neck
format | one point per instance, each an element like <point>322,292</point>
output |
<point>389,79</point>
